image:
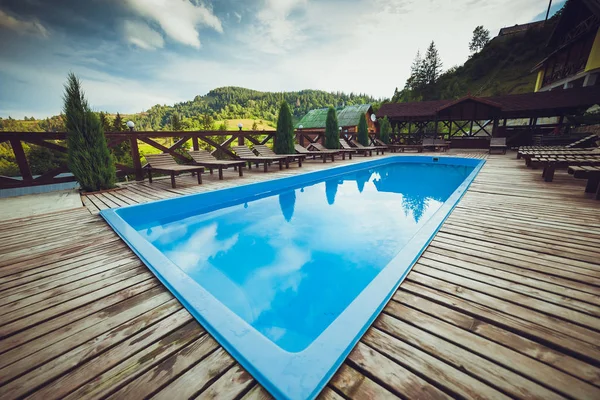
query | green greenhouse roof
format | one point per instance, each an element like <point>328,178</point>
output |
<point>348,116</point>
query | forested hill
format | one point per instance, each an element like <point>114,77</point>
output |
<point>231,103</point>
<point>503,66</point>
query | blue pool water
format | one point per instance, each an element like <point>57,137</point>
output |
<point>278,269</point>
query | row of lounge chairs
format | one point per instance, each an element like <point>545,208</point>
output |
<point>263,155</point>
<point>582,163</point>
<point>258,155</point>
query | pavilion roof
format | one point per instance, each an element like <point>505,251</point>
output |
<point>539,104</point>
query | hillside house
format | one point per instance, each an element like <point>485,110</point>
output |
<point>348,119</point>
<point>575,61</point>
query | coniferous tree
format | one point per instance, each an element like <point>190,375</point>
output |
<point>89,158</point>
<point>118,124</point>
<point>385,128</point>
<point>417,79</point>
<point>104,121</point>
<point>284,137</point>
<point>432,65</point>
<point>363,131</point>
<point>332,133</point>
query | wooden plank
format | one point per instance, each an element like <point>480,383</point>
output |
<point>484,370</point>
<point>505,337</point>
<point>198,377</point>
<point>138,330</point>
<point>524,365</point>
<point>392,376</point>
<point>354,385</point>
<point>151,354</point>
<point>153,380</point>
<point>234,383</point>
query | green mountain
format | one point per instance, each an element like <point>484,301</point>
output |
<point>232,103</point>
<point>503,66</point>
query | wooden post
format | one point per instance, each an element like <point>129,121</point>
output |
<point>495,127</point>
<point>135,156</point>
<point>450,130</point>
<point>195,145</point>
<point>21,159</point>
<point>240,138</point>
<point>471,129</point>
<point>300,137</point>
<point>436,127</point>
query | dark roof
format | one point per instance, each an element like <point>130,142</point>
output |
<point>540,104</point>
<point>482,100</point>
<point>510,30</point>
<point>347,116</point>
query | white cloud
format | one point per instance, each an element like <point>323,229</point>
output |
<point>142,36</point>
<point>32,27</point>
<point>179,19</point>
<point>369,48</point>
<point>275,32</point>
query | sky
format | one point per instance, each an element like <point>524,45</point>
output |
<point>133,54</point>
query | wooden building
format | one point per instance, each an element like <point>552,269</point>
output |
<point>348,119</point>
<point>575,59</point>
<point>469,122</point>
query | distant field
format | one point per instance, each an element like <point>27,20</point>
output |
<point>232,124</point>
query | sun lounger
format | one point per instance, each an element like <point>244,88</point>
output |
<point>207,160</point>
<point>579,144</point>
<point>441,144</point>
<point>436,144</point>
<point>530,156</point>
<point>377,149</point>
<point>398,147</point>
<point>365,152</point>
<point>498,144</point>
<point>265,151</point>
<point>592,174</point>
<point>550,164</point>
<point>167,164</point>
<point>316,153</point>
<point>343,151</point>
<point>245,154</point>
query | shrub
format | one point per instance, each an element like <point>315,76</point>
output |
<point>363,131</point>
<point>284,137</point>
<point>332,133</point>
<point>89,158</point>
<point>384,130</point>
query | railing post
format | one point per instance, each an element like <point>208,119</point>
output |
<point>195,145</point>
<point>21,159</point>
<point>135,156</point>
<point>240,138</point>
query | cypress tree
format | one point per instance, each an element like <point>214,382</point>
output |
<point>384,130</point>
<point>89,158</point>
<point>332,133</point>
<point>284,137</point>
<point>363,131</point>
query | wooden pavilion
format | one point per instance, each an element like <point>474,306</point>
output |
<point>469,122</point>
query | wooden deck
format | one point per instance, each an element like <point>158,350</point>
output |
<point>504,303</point>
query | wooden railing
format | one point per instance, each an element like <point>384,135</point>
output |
<point>219,142</point>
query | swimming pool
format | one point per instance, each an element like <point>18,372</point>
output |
<point>288,274</point>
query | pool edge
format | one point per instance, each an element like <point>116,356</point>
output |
<point>416,246</point>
